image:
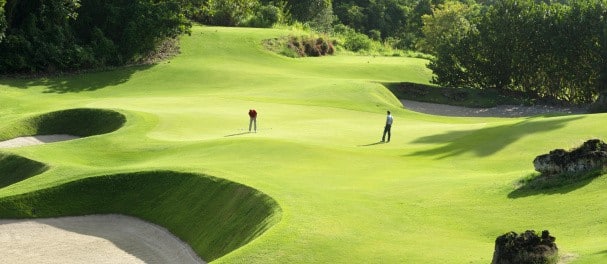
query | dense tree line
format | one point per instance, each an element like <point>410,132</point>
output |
<point>546,49</point>
<point>554,50</point>
<point>64,35</point>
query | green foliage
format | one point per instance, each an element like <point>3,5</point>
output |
<point>322,16</point>
<point>449,23</point>
<point>228,12</point>
<point>212,215</point>
<point>65,35</point>
<point>122,32</point>
<point>307,10</point>
<point>39,38</point>
<point>440,180</point>
<point>353,40</point>
<point>550,50</point>
<point>266,16</point>
<point>396,19</point>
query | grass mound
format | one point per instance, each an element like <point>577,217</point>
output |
<point>212,215</point>
<point>81,122</point>
<point>15,168</point>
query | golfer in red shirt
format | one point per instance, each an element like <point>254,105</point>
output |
<point>253,120</point>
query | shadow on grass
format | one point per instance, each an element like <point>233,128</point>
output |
<point>214,216</point>
<point>15,168</point>
<point>486,141</point>
<point>468,97</point>
<point>372,144</point>
<point>238,134</point>
<point>556,184</point>
<point>75,83</point>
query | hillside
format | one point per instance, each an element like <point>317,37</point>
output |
<point>313,177</point>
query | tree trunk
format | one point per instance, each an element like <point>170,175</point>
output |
<point>601,103</point>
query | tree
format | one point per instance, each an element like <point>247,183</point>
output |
<point>63,35</point>
<point>38,36</point>
<point>2,19</point>
<point>545,50</point>
<point>448,23</point>
<point>322,16</point>
<point>228,12</point>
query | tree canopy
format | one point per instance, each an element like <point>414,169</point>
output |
<point>546,50</point>
<point>64,35</point>
<point>550,49</point>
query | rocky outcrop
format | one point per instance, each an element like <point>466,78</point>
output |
<point>590,156</point>
<point>526,248</point>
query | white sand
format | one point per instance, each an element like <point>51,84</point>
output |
<point>87,239</point>
<point>90,239</point>
<point>34,140</point>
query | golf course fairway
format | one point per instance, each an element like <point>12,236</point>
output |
<point>313,185</point>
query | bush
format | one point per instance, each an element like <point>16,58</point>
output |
<point>65,35</point>
<point>301,46</point>
<point>525,248</point>
<point>266,17</point>
<point>312,46</point>
<point>357,42</point>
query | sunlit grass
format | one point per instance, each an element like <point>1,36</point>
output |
<point>439,192</point>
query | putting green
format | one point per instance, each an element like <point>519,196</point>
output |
<point>440,192</point>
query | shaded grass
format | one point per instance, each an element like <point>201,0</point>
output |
<point>81,122</point>
<point>537,183</point>
<point>214,216</point>
<point>456,96</point>
<point>14,168</point>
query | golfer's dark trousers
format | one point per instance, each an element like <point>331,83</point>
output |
<point>386,130</point>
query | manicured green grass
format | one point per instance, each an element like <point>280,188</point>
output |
<point>184,203</point>
<point>440,192</point>
<point>77,122</point>
<point>14,169</point>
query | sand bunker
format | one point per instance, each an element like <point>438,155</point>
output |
<point>34,140</point>
<point>91,239</point>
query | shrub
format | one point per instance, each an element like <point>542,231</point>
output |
<point>357,42</point>
<point>266,16</point>
<point>525,248</point>
<point>301,46</point>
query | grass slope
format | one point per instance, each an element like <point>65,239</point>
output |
<point>440,192</point>
<point>184,203</point>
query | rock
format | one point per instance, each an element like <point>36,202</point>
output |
<point>528,247</point>
<point>590,156</point>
